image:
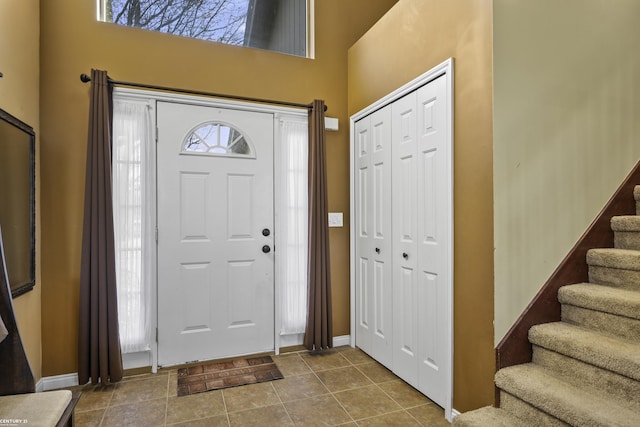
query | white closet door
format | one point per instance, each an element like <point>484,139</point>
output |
<point>434,239</point>
<point>373,210</point>
<point>403,233</point>
<point>405,239</point>
<point>363,234</point>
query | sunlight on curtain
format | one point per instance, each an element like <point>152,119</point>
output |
<point>132,183</point>
<point>293,224</point>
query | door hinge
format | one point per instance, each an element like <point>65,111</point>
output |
<point>157,132</point>
<point>156,334</point>
<point>156,234</point>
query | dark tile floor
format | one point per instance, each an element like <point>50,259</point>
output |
<point>341,387</point>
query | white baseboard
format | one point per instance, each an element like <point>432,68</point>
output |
<point>57,381</point>
<point>290,340</point>
<point>341,340</point>
<point>71,380</point>
<point>136,360</point>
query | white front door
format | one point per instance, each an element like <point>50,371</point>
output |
<point>215,233</point>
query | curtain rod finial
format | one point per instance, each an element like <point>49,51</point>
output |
<point>84,78</point>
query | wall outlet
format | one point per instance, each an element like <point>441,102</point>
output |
<point>335,219</point>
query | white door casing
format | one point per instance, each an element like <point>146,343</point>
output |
<point>421,239</point>
<point>215,283</point>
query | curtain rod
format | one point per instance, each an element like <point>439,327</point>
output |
<point>85,79</point>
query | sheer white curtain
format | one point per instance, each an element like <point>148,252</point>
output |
<point>132,184</point>
<point>292,223</point>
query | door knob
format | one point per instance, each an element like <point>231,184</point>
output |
<point>405,255</point>
<point>266,232</point>
<point>377,250</point>
<point>266,249</point>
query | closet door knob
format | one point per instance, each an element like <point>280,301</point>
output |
<point>405,255</point>
<point>266,249</point>
<point>377,250</point>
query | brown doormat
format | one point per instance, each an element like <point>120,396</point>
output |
<point>213,376</point>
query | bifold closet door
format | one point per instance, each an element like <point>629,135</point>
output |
<point>373,244</point>
<point>421,241</point>
<point>404,247</point>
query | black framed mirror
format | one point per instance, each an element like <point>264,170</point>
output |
<point>17,202</point>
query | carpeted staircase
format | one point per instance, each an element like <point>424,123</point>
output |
<point>586,368</point>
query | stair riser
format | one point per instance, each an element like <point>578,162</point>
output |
<point>529,414</point>
<point>611,324</point>
<point>583,375</point>
<point>624,279</point>
<point>627,240</point>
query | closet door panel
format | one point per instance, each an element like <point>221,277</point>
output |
<point>433,242</point>
<point>405,234</point>
<point>373,251</point>
<point>363,235</point>
<point>381,239</point>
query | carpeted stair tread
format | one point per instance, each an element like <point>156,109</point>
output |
<point>585,375</point>
<point>488,417</point>
<point>614,354</point>
<point>623,259</point>
<point>625,223</point>
<point>622,302</point>
<point>540,388</point>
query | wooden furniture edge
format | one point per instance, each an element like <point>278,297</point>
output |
<point>66,419</point>
<point>514,348</point>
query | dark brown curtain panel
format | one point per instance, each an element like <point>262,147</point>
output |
<point>99,358</point>
<point>319,331</point>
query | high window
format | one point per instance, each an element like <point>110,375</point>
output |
<point>277,25</point>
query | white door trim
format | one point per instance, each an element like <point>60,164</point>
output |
<point>445,67</point>
<point>152,97</point>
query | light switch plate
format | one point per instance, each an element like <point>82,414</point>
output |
<point>335,219</point>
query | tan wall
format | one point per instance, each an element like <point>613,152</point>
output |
<point>19,96</point>
<point>73,43</point>
<point>566,108</point>
<point>413,37</point>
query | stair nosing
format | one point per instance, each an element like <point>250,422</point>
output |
<point>553,399</point>
<point>553,336</point>
<point>625,223</point>
<point>621,259</point>
<point>624,302</point>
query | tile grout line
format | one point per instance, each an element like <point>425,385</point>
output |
<point>282,403</point>
<point>324,385</point>
<point>104,414</point>
<point>338,400</point>
<point>166,401</point>
<point>226,411</point>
